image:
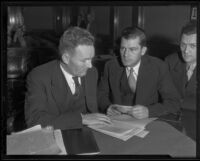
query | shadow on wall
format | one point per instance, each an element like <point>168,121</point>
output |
<point>160,47</point>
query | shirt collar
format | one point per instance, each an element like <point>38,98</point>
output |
<point>67,75</point>
<point>135,68</point>
<point>191,66</point>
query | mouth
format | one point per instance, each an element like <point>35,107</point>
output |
<point>186,55</point>
<point>125,59</point>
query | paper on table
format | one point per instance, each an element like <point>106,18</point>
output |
<point>59,141</point>
<point>34,128</point>
<point>135,132</point>
<point>131,121</point>
<point>39,141</point>
<point>118,129</point>
<point>142,134</point>
<point>114,129</point>
<point>124,127</point>
<point>123,133</point>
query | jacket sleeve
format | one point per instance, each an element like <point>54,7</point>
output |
<point>103,93</point>
<point>170,99</point>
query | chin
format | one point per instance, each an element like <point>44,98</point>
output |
<point>187,59</point>
<point>82,74</point>
<point>125,63</point>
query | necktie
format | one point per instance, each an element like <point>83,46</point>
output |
<point>190,71</point>
<point>77,86</point>
<point>132,81</point>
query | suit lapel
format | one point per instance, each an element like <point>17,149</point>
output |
<point>144,80</point>
<point>124,79</point>
<point>179,71</point>
<point>60,88</point>
<point>192,82</point>
<point>116,82</point>
<point>90,91</point>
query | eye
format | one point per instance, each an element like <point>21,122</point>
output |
<point>193,46</point>
<point>132,49</point>
<point>122,48</point>
<point>183,45</point>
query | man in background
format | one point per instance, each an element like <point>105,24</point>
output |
<point>62,93</point>
<point>182,66</point>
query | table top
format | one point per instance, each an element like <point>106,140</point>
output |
<point>163,139</point>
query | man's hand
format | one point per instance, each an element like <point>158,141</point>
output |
<point>139,112</point>
<point>95,118</point>
<point>116,109</point>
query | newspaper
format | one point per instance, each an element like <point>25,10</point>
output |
<point>124,127</point>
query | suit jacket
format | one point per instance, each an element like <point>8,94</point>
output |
<point>153,79</point>
<point>47,97</point>
<point>187,89</point>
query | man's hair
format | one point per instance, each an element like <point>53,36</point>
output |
<point>133,32</point>
<point>73,37</point>
<point>189,28</point>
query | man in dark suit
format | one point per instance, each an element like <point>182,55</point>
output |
<point>182,66</point>
<point>62,93</point>
<point>137,81</point>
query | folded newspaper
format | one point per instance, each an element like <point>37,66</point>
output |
<point>124,127</point>
<point>32,141</point>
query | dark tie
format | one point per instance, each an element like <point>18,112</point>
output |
<point>132,81</point>
<point>77,86</point>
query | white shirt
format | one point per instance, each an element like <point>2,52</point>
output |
<point>70,80</point>
<point>135,70</point>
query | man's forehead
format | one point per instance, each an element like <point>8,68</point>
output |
<point>131,40</point>
<point>189,38</point>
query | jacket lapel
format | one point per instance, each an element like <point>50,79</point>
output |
<point>90,91</point>
<point>116,82</point>
<point>192,82</point>
<point>179,71</point>
<point>60,88</point>
<point>144,81</point>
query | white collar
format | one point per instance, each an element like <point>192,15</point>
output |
<point>68,76</point>
<point>135,68</point>
<point>191,66</point>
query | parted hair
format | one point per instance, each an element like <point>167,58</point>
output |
<point>132,33</point>
<point>73,37</point>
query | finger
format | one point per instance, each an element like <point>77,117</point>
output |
<point>104,120</point>
<point>137,110</point>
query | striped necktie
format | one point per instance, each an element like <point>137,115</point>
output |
<point>190,70</point>
<point>132,81</point>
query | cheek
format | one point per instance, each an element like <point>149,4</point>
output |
<point>194,53</point>
<point>135,57</point>
<point>80,67</point>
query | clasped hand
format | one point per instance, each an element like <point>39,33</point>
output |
<point>137,111</point>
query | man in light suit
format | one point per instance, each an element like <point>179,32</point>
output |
<point>62,93</point>
<point>138,88</point>
<point>182,66</point>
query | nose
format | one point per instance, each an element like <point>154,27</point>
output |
<point>125,52</point>
<point>186,49</point>
<point>89,64</point>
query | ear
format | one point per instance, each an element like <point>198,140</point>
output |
<point>144,49</point>
<point>65,58</point>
